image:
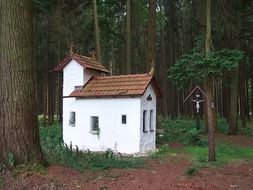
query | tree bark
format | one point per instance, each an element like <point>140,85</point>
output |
<point>208,88</point>
<point>151,35</point>
<point>97,31</point>
<point>210,117</point>
<point>128,38</point>
<point>242,95</point>
<point>233,105</point>
<point>163,67</point>
<point>235,39</point>
<point>18,119</point>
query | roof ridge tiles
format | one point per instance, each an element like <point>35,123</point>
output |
<point>84,61</point>
<point>123,76</point>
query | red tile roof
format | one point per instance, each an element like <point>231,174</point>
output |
<point>121,85</point>
<point>86,62</point>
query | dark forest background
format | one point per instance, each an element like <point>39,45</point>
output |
<point>133,35</point>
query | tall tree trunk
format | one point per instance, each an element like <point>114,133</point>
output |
<point>242,94</point>
<point>97,31</point>
<point>18,119</point>
<point>46,77</point>
<point>208,88</point>
<point>171,28</point>
<point>233,105</point>
<point>151,35</point>
<point>163,67</point>
<point>233,127</point>
<point>128,38</point>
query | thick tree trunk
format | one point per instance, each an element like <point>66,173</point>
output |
<point>18,119</point>
<point>97,31</point>
<point>151,35</point>
<point>128,38</point>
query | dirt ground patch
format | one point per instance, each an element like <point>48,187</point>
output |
<point>158,175</point>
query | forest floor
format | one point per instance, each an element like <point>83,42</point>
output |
<point>159,174</point>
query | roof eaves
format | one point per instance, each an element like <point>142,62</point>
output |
<point>103,96</point>
<point>155,86</point>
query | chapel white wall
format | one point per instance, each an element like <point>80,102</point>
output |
<point>148,139</point>
<point>124,138</point>
<point>75,75</point>
<point>72,76</point>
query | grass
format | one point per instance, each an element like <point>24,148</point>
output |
<point>225,154</point>
<point>195,143</point>
<point>56,152</point>
<point>31,168</point>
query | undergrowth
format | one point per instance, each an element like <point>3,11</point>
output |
<point>196,145</point>
<point>184,130</point>
<point>57,152</point>
<point>174,130</point>
<point>180,130</point>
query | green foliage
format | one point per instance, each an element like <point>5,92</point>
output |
<point>197,66</point>
<point>222,127</point>
<point>180,130</point>
<point>183,131</point>
<point>56,151</point>
<point>246,131</point>
<point>11,160</point>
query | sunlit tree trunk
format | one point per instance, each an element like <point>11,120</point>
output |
<point>18,118</point>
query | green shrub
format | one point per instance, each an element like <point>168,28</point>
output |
<point>222,125</point>
<point>246,131</point>
<point>180,130</point>
<point>56,151</point>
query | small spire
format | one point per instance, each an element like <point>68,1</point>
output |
<point>93,55</point>
<point>71,48</point>
<point>152,69</point>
